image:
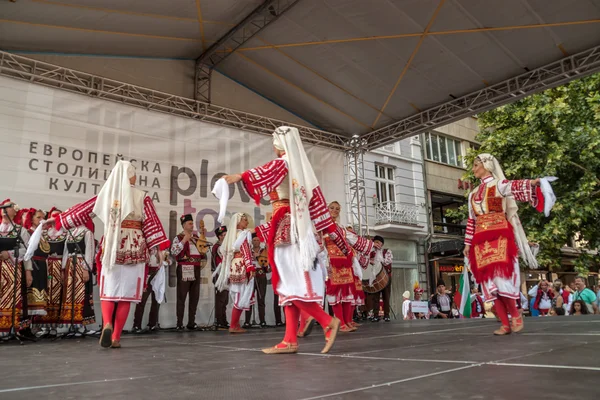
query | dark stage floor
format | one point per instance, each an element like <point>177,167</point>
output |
<point>553,358</point>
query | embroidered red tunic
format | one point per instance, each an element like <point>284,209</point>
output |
<point>493,254</point>
<point>271,180</point>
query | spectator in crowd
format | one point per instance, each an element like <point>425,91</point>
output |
<point>586,295</point>
<point>441,302</point>
<point>579,308</point>
<point>556,311</point>
<point>477,306</point>
<point>543,297</point>
<point>562,297</point>
<point>572,287</point>
<point>406,311</point>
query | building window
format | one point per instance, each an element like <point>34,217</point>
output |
<point>403,251</point>
<point>391,148</point>
<point>443,149</point>
<point>384,184</point>
<point>440,204</point>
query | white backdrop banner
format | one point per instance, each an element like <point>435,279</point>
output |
<point>58,148</point>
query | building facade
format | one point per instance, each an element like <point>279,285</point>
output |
<point>396,210</point>
<point>444,169</point>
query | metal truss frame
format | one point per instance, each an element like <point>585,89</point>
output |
<point>356,194</point>
<point>23,68</point>
<point>539,79</point>
<point>256,21</point>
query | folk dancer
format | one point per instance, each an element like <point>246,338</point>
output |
<point>37,293</point>
<point>78,296</point>
<point>495,237</point>
<point>221,296</point>
<point>298,208</point>
<point>189,262</point>
<point>237,269</point>
<point>13,272</point>
<point>131,229</point>
<point>344,283</point>
<point>260,259</point>
<point>52,248</point>
<point>152,268</point>
<point>380,259</point>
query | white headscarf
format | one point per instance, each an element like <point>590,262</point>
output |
<point>233,240</point>
<point>491,164</point>
<point>113,204</point>
<point>302,183</point>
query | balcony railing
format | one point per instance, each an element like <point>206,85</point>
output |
<point>449,229</point>
<point>389,212</point>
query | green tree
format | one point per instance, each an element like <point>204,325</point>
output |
<point>554,133</point>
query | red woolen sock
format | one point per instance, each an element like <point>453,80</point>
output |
<point>348,312</point>
<point>303,318</point>
<point>292,313</point>
<point>338,311</point>
<point>108,308</point>
<point>315,311</point>
<point>120,318</point>
<point>501,312</point>
<point>511,306</point>
<point>235,317</point>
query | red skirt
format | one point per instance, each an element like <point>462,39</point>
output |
<point>493,249</point>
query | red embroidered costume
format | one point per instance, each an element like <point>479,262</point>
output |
<point>495,237</point>
<point>237,269</point>
<point>299,209</point>
<point>344,283</point>
<point>12,272</point>
<point>131,229</point>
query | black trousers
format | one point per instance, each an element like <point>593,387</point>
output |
<point>277,309</point>
<point>183,289</point>
<point>372,300</point>
<point>221,301</point>
<point>139,309</point>
<point>260,287</point>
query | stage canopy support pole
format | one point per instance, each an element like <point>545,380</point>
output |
<point>255,22</point>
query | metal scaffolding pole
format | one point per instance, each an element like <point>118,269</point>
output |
<point>256,21</point>
<point>27,69</point>
<point>357,200</point>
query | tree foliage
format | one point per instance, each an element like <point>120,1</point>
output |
<point>554,133</point>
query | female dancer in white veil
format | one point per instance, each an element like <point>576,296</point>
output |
<point>495,237</point>
<point>299,209</point>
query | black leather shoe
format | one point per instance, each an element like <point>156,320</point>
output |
<point>263,324</point>
<point>387,319</point>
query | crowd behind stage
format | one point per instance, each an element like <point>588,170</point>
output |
<point>54,296</point>
<point>543,299</point>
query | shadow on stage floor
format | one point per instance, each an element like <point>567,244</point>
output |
<point>553,358</point>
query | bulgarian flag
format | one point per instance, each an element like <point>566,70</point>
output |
<point>465,292</point>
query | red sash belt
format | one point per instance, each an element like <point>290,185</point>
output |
<point>130,224</point>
